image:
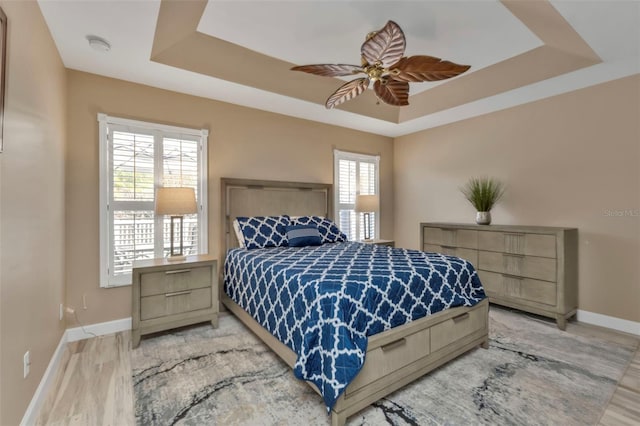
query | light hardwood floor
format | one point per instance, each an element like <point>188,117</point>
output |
<point>94,384</point>
<point>624,406</point>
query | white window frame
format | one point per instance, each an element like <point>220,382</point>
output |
<point>106,125</point>
<point>357,157</point>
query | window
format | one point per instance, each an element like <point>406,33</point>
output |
<point>354,174</point>
<point>136,158</point>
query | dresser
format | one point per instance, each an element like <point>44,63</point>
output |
<point>531,268</point>
<point>169,294</point>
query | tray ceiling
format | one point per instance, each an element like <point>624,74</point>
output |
<point>241,51</point>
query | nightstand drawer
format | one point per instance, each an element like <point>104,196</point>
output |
<point>175,302</point>
<point>183,278</point>
<point>171,293</point>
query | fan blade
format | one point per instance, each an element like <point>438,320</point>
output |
<point>347,92</point>
<point>393,92</point>
<point>385,46</point>
<point>329,70</point>
<point>425,68</point>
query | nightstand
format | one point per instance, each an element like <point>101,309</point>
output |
<point>390,243</point>
<point>169,294</point>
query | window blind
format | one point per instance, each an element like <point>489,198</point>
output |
<point>136,158</point>
<point>354,174</point>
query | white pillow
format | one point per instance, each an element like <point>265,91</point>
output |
<point>239,236</point>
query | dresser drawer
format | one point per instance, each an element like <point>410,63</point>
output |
<point>432,248</point>
<point>431,235</point>
<point>170,281</point>
<point>467,254</point>
<point>518,243</point>
<point>391,357</point>
<point>172,303</point>
<point>456,328</point>
<point>513,287</point>
<point>541,268</point>
<point>451,237</point>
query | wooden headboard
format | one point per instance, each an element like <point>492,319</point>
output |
<point>244,197</point>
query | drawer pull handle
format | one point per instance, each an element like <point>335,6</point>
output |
<point>393,345</point>
<point>179,271</point>
<point>461,317</point>
<point>448,247</point>
<point>513,255</point>
<point>516,277</point>
<point>177,293</point>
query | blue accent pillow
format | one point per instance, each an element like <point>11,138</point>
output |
<point>264,231</point>
<point>303,235</point>
<point>329,231</point>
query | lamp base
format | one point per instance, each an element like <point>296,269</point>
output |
<point>176,258</point>
<point>174,254</point>
<point>367,227</point>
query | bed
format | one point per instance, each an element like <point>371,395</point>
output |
<point>394,356</point>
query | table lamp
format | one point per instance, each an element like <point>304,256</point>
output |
<point>176,202</point>
<point>367,204</point>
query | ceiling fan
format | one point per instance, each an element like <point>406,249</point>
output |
<point>384,64</point>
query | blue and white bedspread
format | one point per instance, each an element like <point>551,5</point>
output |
<point>323,301</point>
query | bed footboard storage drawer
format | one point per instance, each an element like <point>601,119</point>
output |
<point>392,356</point>
<point>456,328</point>
<point>412,347</point>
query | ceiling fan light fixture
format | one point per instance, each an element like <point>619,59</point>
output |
<point>383,62</point>
<point>98,43</point>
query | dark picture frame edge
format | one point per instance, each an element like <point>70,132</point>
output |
<point>3,73</point>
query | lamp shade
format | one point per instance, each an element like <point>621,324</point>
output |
<point>367,203</point>
<point>176,201</point>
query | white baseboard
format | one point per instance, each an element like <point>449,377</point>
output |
<point>70,335</point>
<point>606,321</point>
<point>100,329</point>
<point>30,416</point>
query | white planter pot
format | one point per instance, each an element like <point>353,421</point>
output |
<point>483,218</point>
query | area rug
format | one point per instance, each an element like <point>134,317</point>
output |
<point>532,374</point>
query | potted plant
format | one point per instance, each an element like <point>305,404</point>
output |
<point>483,193</point>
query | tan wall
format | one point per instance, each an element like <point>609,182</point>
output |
<point>243,142</point>
<point>31,206</point>
<point>570,160</point>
